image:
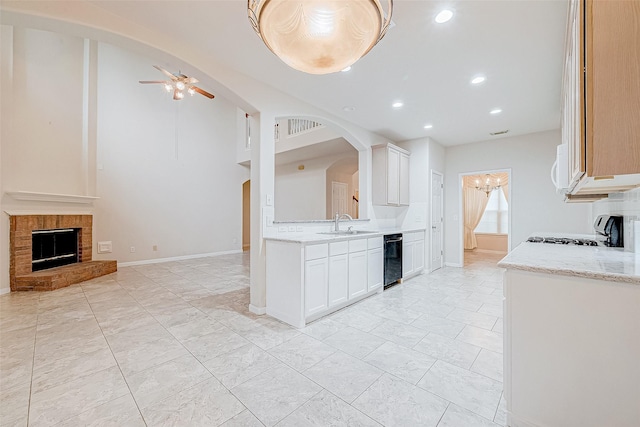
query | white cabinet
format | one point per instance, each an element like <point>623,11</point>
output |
<point>390,175</point>
<point>338,273</point>
<point>305,282</point>
<point>412,253</point>
<point>375,264</point>
<point>316,273</point>
<point>418,255</point>
<point>571,351</point>
<point>357,268</point>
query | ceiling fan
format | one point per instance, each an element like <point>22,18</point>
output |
<point>178,84</point>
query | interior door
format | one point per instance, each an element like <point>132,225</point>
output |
<point>436,220</point>
<point>339,193</point>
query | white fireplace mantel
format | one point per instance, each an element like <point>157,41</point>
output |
<point>51,197</point>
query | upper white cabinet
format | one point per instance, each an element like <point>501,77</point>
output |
<point>601,98</point>
<point>390,175</point>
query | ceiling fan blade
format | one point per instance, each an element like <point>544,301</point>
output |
<point>191,80</point>
<point>203,92</point>
<point>165,72</point>
<point>151,81</point>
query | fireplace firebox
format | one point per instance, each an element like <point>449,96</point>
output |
<point>54,248</point>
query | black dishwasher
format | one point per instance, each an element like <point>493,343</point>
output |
<point>392,259</point>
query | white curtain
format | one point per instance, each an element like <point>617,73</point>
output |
<point>474,202</point>
<point>505,191</point>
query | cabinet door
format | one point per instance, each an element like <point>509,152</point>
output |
<point>315,285</point>
<point>418,255</point>
<point>338,279</point>
<point>357,274</point>
<point>404,180</point>
<point>375,269</point>
<point>393,177</point>
<point>407,256</point>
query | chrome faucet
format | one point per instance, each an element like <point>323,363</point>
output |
<point>339,217</point>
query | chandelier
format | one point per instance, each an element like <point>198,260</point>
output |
<point>487,187</point>
<point>319,36</point>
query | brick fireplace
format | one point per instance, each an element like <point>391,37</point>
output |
<point>23,278</point>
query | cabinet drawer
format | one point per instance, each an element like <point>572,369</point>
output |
<point>357,245</point>
<point>338,248</point>
<point>374,242</point>
<point>316,251</point>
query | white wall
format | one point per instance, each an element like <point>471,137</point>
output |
<point>300,194</point>
<point>534,204</point>
<point>166,169</point>
<point>45,152</point>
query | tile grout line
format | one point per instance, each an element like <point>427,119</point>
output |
<point>124,378</point>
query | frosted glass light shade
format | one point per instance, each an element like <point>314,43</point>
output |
<point>319,36</point>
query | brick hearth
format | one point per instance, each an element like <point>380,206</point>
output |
<point>21,276</point>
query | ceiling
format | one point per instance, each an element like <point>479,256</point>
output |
<point>517,45</point>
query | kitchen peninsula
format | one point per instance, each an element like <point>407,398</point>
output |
<point>572,335</point>
<point>311,275</point>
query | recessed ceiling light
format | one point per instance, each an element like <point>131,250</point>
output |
<point>349,108</point>
<point>495,111</point>
<point>344,70</point>
<point>397,104</point>
<point>477,80</point>
<point>444,16</point>
<point>428,126</point>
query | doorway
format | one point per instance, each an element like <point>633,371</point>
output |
<point>246,215</point>
<point>437,215</point>
<point>339,191</point>
<point>484,204</point>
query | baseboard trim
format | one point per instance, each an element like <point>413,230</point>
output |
<point>5,291</point>
<point>257,310</point>
<point>453,264</point>
<point>177,258</point>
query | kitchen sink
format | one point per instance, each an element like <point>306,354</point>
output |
<point>347,232</point>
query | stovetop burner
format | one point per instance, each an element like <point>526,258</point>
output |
<point>563,241</point>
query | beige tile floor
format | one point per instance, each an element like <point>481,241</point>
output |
<point>174,344</point>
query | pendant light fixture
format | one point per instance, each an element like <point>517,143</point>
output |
<point>488,186</point>
<point>319,36</point>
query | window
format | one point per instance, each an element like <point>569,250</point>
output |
<point>496,215</point>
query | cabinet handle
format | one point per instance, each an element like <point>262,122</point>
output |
<point>394,241</point>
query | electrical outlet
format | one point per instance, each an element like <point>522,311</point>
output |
<point>282,229</point>
<point>299,228</point>
<point>105,247</point>
<point>132,249</point>
<point>292,228</point>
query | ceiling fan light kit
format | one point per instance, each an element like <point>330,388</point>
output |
<point>178,83</point>
<point>319,36</point>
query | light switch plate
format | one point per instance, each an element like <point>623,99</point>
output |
<point>269,199</point>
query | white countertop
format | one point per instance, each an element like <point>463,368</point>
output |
<point>311,238</point>
<point>322,238</point>
<point>593,262</point>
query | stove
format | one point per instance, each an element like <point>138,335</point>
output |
<point>564,241</point>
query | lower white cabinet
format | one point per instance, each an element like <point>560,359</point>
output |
<point>338,279</point>
<point>357,274</point>
<point>375,264</point>
<point>308,281</point>
<point>412,253</point>
<point>418,254</point>
<point>316,274</point>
